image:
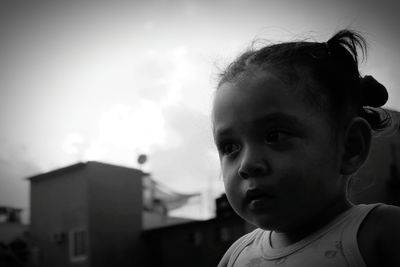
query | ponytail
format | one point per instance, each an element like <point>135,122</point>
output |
<point>368,94</point>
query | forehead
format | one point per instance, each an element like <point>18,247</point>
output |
<point>256,95</point>
<point>259,88</point>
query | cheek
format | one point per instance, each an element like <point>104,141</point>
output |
<point>291,180</point>
<point>294,173</point>
<point>231,180</point>
<point>227,169</point>
<point>305,174</point>
<point>234,193</point>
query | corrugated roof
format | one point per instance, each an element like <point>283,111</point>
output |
<point>155,191</point>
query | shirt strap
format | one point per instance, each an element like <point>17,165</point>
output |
<point>246,241</point>
<point>349,235</point>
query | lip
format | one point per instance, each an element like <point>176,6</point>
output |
<point>258,198</point>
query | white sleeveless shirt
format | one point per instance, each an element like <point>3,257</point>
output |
<point>334,245</point>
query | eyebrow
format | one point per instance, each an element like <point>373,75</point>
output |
<point>276,116</point>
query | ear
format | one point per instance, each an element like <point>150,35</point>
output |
<point>357,143</point>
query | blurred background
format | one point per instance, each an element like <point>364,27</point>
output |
<point>107,81</point>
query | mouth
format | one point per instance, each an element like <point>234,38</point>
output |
<point>258,198</point>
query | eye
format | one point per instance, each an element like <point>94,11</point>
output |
<point>228,148</point>
<point>275,136</point>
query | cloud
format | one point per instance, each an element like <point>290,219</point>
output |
<point>123,132</point>
<point>193,164</point>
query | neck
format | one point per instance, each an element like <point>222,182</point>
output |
<point>279,239</point>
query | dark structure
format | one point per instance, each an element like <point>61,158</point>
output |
<point>87,214</point>
<point>195,244</point>
<point>14,249</point>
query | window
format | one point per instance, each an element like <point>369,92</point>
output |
<point>78,245</point>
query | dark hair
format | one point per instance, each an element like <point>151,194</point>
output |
<point>333,65</point>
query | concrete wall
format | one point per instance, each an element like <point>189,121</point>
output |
<point>103,200</point>
<point>115,215</point>
<point>58,204</point>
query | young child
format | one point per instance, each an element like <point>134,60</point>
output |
<point>292,122</point>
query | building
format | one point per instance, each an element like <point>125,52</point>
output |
<point>87,214</point>
<point>14,250</point>
<point>11,227</point>
<point>94,214</point>
<point>196,243</point>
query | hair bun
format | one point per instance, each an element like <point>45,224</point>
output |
<point>374,93</point>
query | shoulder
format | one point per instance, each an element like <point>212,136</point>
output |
<point>247,237</point>
<point>382,228</point>
<point>388,234</point>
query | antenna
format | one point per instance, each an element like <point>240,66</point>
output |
<point>142,158</point>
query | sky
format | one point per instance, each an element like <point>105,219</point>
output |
<point>110,80</point>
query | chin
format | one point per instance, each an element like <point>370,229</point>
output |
<point>265,222</point>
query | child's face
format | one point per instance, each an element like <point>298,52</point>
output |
<point>279,157</point>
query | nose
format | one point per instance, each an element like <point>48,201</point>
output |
<point>253,164</point>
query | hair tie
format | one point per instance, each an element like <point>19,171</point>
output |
<point>374,94</point>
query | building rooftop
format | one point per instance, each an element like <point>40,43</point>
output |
<point>71,168</point>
